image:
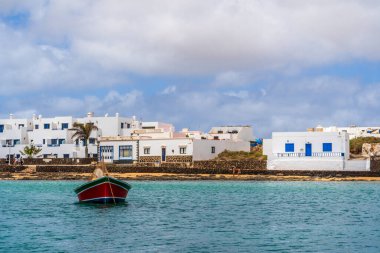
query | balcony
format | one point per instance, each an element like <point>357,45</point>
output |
<point>314,154</point>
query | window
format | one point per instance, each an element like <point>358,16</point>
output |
<point>65,126</point>
<point>54,142</point>
<point>20,126</point>
<point>146,151</point>
<point>36,126</point>
<point>122,125</point>
<point>1,128</point>
<point>212,150</point>
<point>91,141</point>
<point>182,150</point>
<point>106,152</point>
<point>125,152</point>
<point>61,141</point>
<point>46,126</point>
<point>43,141</point>
<point>289,147</point>
<point>66,156</point>
<point>327,147</point>
<point>16,142</point>
<point>128,125</point>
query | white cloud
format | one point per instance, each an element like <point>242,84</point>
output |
<point>237,94</point>
<point>230,79</point>
<point>169,90</point>
<point>211,37</point>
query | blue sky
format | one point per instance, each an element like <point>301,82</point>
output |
<point>276,65</point>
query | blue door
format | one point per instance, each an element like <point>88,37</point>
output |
<point>163,155</point>
<point>308,149</point>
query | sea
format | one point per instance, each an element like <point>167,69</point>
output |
<point>193,216</point>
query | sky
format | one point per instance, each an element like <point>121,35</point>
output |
<point>278,65</point>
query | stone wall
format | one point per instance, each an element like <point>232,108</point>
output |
<point>59,161</point>
<point>179,159</point>
<point>375,165</point>
<point>149,159</point>
<point>176,170</point>
<point>240,165</point>
<point>65,168</point>
<point>11,168</point>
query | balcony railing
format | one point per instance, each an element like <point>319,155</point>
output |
<point>313,154</point>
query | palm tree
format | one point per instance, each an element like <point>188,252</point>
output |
<point>83,132</point>
<point>31,151</point>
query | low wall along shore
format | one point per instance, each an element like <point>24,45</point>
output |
<point>244,167</point>
<point>55,161</point>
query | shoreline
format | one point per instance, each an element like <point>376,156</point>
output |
<point>11,176</point>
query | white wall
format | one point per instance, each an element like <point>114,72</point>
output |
<point>310,163</point>
<point>357,165</point>
<point>339,141</point>
<point>172,147</point>
<point>278,159</point>
<point>202,148</point>
<point>244,133</point>
<point>318,164</point>
<point>14,134</point>
<point>267,147</point>
<point>14,123</point>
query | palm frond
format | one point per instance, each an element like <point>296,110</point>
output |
<point>82,131</point>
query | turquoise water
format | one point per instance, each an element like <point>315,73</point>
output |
<point>193,217</point>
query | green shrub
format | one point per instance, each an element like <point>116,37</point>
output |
<point>256,154</point>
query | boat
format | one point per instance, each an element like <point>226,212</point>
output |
<point>105,189</point>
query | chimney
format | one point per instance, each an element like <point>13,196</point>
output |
<point>117,115</point>
<point>11,116</point>
<point>90,114</point>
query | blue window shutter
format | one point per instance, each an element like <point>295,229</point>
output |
<point>327,147</point>
<point>289,147</point>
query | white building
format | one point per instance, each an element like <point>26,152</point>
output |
<point>232,133</point>
<point>352,131</point>
<point>122,139</point>
<point>185,146</point>
<point>53,136</point>
<point>311,151</point>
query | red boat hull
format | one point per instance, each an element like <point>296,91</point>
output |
<point>105,190</point>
